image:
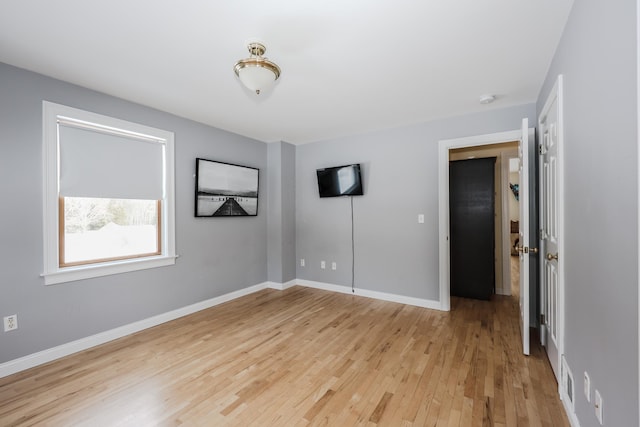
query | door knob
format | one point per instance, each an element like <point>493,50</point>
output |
<point>551,256</point>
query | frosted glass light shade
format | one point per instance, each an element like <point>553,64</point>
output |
<point>256,77</point>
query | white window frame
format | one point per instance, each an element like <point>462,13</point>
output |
<point>54,274</point>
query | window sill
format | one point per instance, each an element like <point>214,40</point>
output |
<point>71,274</point>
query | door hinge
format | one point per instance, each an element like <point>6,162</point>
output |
<point>541,149</point>
<point>542,319</point>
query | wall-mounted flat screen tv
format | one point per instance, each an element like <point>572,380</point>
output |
<point>340,181</point>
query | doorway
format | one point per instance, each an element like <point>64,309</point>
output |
<point>506,209</point>
<point>528,294</point>
<point>445,147</point>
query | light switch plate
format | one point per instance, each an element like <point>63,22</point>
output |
<point>587,386</point>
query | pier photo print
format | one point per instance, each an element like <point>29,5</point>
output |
<point>224,189</point>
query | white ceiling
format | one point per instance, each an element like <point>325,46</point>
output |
<point>348,66</point>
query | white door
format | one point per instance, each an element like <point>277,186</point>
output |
<point>523,248</point>
<point>549,280</point>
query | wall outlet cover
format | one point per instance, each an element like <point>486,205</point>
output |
<point>10,322</point>
<point>598,405</point>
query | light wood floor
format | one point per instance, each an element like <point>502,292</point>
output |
<point>300,357</point>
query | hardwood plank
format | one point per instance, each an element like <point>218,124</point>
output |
<point>380,408</point>
<point>300,357</point>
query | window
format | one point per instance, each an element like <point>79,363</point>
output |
<point>108,191</point>
<point>101,229</point>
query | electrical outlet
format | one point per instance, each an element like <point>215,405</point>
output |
<point>420,218</point>
<point>334,266</point>
<point>323,264</point>
<point>11,323</point>
<point>301,262</point>
<point>598,405</point>
<point>587,386</point>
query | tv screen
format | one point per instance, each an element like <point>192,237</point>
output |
<point>340,181</point>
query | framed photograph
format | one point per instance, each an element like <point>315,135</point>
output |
<point>224,189</point>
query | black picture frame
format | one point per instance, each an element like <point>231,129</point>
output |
<point>225,189</point>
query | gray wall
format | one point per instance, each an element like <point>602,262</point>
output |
<point>288,170</point>
<point>217,256</point>
<point>274,212</point>
<point>597,56</point>
<point>393,253</point>
<point>281,216</point>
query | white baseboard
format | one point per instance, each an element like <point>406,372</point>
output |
<point>573,419</point>
<point>503,292</point>
<point>30,361</point>
<point>419,302</point>
<point>281,286</point>
<point>48,355</point>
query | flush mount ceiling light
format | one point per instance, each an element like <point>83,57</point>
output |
<point>256,72</point>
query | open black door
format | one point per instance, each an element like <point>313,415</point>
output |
<point>472,222</point>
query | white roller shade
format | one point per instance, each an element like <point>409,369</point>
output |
<point>107,165</point>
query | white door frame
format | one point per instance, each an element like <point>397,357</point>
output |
<point>557,92</point>
<point>444,146</point>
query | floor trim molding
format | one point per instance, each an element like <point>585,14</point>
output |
<point>419,302</point>
<point>281,286</point>
<point>35,359</point>
<point>571,415</point>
